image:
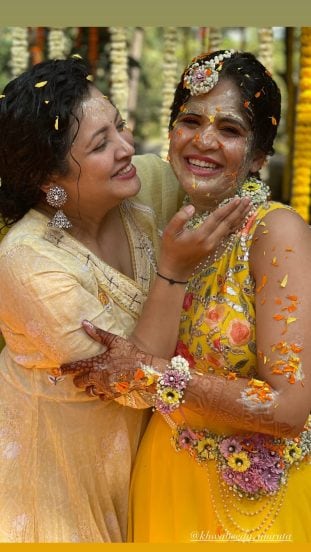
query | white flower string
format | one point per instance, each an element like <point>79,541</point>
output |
<point>118,71</point>
<point>214,39</point>
<point>169,84</point>
<point>58,45</point>
<point>265,51</point>
<point>19,50</point>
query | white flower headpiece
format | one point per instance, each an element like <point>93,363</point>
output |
<point>202,77</point>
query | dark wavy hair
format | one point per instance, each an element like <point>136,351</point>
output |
<point>37,113</point>
<point>260,95</point>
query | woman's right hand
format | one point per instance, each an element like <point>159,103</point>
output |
<point>183,249</point>
<point>116,371</point>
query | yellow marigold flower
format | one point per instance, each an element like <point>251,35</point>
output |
<point>207,447</point>
<point>239,461</point>
<point>292,453</point>
<point>170,395</point>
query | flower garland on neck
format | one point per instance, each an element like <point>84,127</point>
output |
<point>252,187</point>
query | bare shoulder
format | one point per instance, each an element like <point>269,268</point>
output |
<point>281,232</point>
<point>282,224</point>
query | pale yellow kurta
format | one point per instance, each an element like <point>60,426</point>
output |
<point>65,458</point>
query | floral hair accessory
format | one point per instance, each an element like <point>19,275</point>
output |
<point>171,385</point>
<point>200,77</point>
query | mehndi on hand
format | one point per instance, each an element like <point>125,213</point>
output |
<point>121,369</point>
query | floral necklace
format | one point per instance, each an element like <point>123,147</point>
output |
<point>253,187</point>
<point>257,191</point>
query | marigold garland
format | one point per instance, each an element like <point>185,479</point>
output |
<point>19,50</point>
<point>300,199</point>
<point>118,70</point>
<point>169,83</point>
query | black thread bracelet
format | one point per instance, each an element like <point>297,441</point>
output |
<point>170,280</point>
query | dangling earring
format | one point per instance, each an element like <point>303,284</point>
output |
<point>57,197</point>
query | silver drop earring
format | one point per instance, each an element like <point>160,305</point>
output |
<point>57,197</point>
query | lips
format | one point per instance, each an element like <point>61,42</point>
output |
<point>202,163</point>
<point>128,171</point>
<point>202,166</point>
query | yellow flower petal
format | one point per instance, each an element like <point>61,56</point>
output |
<point>290,319</point>
<point>283,283</point>
<point>56,123</point>
<point>40,84</point>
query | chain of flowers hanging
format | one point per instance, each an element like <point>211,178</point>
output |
<point>169,84</point>
<point>58,46</point>
<point>118,69</point>
<point>19,50</point>
<point>300,199</point>
<point>265,48</point>
<point>214,39</point>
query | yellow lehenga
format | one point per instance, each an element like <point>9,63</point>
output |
<point>66,458</point>
<point>173,497</point>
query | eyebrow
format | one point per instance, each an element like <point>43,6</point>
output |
<point>235,120</point>
<point>102,130</point>
<point>224,117</point>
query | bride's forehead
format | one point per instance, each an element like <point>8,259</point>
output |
<point>222,97</point>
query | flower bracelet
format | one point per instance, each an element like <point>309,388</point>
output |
<point>171,385</point>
